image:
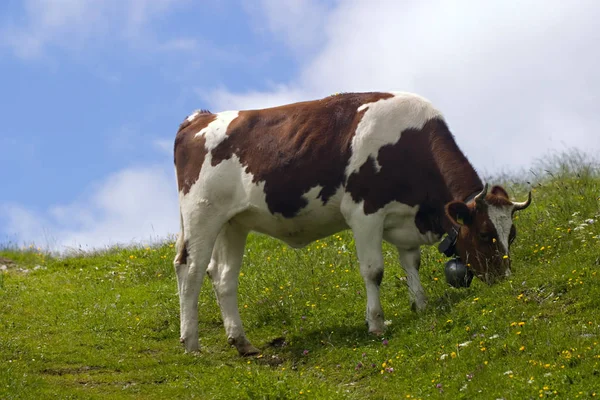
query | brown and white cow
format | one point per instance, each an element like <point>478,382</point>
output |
<point>382,164</point>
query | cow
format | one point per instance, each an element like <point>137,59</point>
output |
<point>383,164</point>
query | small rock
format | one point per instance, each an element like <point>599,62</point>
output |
<point>3,267</point>
<point>6,262</point>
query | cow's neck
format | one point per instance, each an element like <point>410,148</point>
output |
<point>459,176</point>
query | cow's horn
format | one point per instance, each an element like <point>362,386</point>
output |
<point>522,205</point>
<point>479,199</point>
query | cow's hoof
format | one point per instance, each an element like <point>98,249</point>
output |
<point>249,351</point>
<point>243,346</point>
<point>193,352</point>
<point>376,328</point>
<point>190,349</point>
<point>418,307</point>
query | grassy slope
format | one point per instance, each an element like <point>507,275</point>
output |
<point>107,324</point>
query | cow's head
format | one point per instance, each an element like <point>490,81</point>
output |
<point>486,232</point>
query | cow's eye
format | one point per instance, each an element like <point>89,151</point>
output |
<point>486,237</point>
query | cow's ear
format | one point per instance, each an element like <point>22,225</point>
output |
<point>459,213</point>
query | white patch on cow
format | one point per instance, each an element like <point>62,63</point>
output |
<point>399,227</point>
<point>501,218</point>
<point>383,122</point>
<point>193,116</point>
<point>228,189</point>
<point>220,187</point>
<point>314,221</point>
<point>215,132</point>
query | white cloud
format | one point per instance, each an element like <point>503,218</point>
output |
<point>298,23</point>
<point>135,205</point>
<point>180,44</point>
<point>165,146</point>
<point>513,79</point>
<point>71,23</point>
<point>222,99</point>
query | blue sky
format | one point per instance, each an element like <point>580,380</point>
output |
<point>78,110</point>
<point>93,92</point>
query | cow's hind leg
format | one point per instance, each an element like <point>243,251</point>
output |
<point>181,270</point>
<point>410,260</point>
<point>201,227</point>
<point>224,270</point>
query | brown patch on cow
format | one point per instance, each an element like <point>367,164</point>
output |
<point>479,246</point>
<point>424,167</point>
<point>460,213</point>
<point>478,243</point>
<point>190,151</point>
<point>499,191</point>
<point>498,197</point>
<point>186,122</point>
<point>296,147</point>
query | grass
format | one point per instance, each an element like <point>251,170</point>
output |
<point>106,324</point>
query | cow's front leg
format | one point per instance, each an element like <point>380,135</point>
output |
<point>368,231</point>
<point>411,261</point>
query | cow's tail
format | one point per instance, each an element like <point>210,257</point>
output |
<point>180,245</point>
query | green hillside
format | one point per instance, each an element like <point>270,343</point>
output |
<point>106,325</point>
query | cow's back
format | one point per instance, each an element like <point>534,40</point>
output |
<point>284,170</point>
<point>291,148</point>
